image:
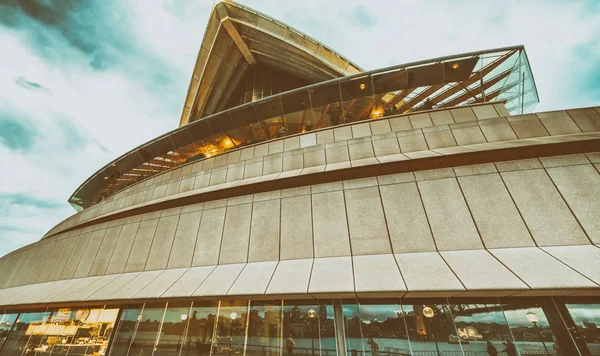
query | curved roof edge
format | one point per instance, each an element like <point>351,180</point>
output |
<point>236,38</point>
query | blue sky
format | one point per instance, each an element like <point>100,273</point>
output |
<point>81,82</point>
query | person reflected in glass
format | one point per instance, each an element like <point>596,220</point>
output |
<point>374,346</point>
<point>511,349</point>
<point>289,345</point>
<point>491,349</point>
<point>428,104</point>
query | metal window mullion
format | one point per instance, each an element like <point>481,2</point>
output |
<point>186,328</point>
<point>340,332</point>
<point>162,320</point>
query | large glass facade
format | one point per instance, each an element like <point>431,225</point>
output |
<point>356,327</point>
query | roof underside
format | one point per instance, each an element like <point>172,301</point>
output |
<point>238,38</point>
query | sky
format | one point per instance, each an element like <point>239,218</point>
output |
<point>82,82</point>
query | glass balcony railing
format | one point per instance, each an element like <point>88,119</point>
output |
<point>499,75</point>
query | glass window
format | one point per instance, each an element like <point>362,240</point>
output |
<point>264,329</point>
<point>586,318</point>
<point>200,329</point>
<point>172,332</point>
<point>308,328</point>
<point>530,329</point>
<point>26,334</point>
<point>146,335</point>
<point>126,330</point>
<point>481,328</point>
<point>230,335</point>
<point>431,330</point>
<point>77,331</point>
<point>376,328</point>
<point>6,323</point>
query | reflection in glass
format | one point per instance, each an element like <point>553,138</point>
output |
<point>586,318</point>
<point>264,328</point>
<point>127,326</point>
<point>172,332</point>
<point>6,323</point>
<point>374,329</point>
<point>430,329</point>
<point>200,329</point>
<point>25,336</point>
<point>481,328</point>
<point>231,328</point>
<point>308,329</point>
<point>530,329</point>
<point>144,340</point>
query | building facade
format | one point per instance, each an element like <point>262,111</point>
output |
<point>305,206</point>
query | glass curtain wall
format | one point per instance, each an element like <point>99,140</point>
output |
<point>372,327</point>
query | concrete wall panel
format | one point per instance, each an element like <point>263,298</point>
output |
<point>296,228</point>
<point>158,256</point>
<point>366,221</point>
<point>236,234</point>
<point>580,186</point>
<point>495,214</point>
<point>118,260</point>
<point>264,231</point>
<point>141,246</point>
<point>208,244</point>
<point>184,242</point>
<point>330,225</point>
<point>545,212</point>
<point>406,219</point>
<point>450,219</point>
<point>89,254</point>
<point>105,251</point>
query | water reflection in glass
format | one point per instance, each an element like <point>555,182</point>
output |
<point>144,341</point>
<point>125,330</point>
<point>431,330</point>
<point>6,323</point>
<point>229,338</point>
<point>530,329</point>
<point>586,318</point>
<point>200,329</point>
<point>481,328</point>
<point>174,325</point>
<point>376,329</point>
<point>23,339</point>
<point>308,329</point>
<point>264,329</point>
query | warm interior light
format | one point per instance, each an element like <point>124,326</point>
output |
<point>105,178</point>
<point>428,312</point>
<point>455,66</point>
<point>233,316</point>
<point>114,164</point>
<point>183,317</point>
<point>362,86</point>
<point>311,313</point>
<point>376,113</point>
<point>227,142</point>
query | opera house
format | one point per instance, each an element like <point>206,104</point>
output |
<point>305,206</point>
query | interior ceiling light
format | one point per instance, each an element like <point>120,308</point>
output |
<point>455,66</point>
<point>362,86</point>
<point>105,177</point>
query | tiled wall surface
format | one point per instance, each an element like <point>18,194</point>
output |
<point>493,226</point>
<point>365,143</point>
<point>489,229</point>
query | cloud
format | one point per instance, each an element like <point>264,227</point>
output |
<point>362,17</point>
<point>17,131</point>
<point>24,83</point>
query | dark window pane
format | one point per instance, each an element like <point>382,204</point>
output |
<point>530,329</point>
<point>231,328</point>
<point>172,332</point>
<point>125,330</point>
<point>146,335</point>
<point>26,334</point>
<point>431,330</point>
<point>308,329</point>
<point>264,329</point>
<point>6,323</point>
<point>586,318</point>
<point>200,329</point>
